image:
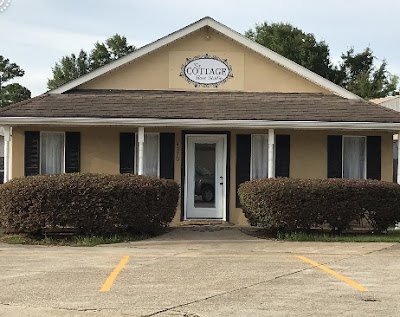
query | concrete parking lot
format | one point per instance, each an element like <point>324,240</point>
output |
<point>202,272</point>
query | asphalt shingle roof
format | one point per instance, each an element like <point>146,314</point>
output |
<point>201,105</point>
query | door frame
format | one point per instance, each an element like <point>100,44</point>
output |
<point>227,172</point>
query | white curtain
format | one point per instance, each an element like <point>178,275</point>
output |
<point>354,157</point>
<point>52,153</point>
<point>150,155</point>
<point>259,156</point>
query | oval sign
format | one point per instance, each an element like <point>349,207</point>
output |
<point>206,71</point>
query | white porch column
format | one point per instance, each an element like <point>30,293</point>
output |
<point>7,134</point>
<point>141,150</point>
<point>397,225</point>
<point>398,159</point>
<point>271,153</point>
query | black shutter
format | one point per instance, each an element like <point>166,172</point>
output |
<point>167,155</point>
<point>32,148</point>
<point>126,153</point>
<point>243,156</point>
<point>334,156</point>
<point>72,152</point>
<point>282,155</point>
<point>374,157</point>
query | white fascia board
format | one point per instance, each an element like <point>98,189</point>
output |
<point>200,123</point>
<point>228,32</point>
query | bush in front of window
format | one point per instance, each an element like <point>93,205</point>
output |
<point>284,204</point>
<point>90,203</point>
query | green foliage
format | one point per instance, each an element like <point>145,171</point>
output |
<point>285,204</point>
<point>356,72</point>
<point>9,70</point>
<point>391,236</point>
<point>295,45</point>
<point>72,240</point>
<point>71,67</point>
<point>364,78</point>
<point>91,203</point>
<point>11,93</point>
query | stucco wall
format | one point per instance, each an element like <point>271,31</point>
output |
<point>160,70</point>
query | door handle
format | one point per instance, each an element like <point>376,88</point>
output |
<point>221,183</point>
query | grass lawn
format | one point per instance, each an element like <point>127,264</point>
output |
<point>391,236</point>
<point>325,236</point>
<point>77,241</point>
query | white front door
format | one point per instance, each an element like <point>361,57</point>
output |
<point>205,183</point>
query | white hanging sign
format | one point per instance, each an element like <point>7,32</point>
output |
<point>206,71</point>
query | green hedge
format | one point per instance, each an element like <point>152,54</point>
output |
<point>285,204</point>
<point>91,203</point>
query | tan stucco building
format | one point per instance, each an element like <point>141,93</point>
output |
<point>209,108</point>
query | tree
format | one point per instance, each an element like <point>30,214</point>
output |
<point>296,45</point>
<point>11,93</point>
<point>356,72</point>
<point>73,66</point>
<point>364,79</point>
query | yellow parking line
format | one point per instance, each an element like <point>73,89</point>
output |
<point>332,272</point>
<point>110,280</point>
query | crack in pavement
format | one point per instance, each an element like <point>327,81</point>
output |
<point>185,314</point>
<point>383,249</point>
<point>173,308</point>
<point>224,293</point>
<point>60,308</point>
<point>358,255</point>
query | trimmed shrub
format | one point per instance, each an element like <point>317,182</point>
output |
<point>91,203</point>
<point>285,204</point>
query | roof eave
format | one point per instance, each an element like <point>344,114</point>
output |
<point>199,123</point>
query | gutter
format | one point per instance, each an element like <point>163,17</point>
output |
<point>199,123</point>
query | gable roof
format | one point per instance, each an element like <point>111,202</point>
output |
<point>200,108</point>
<point>385,99</point>
<point>228,32</point>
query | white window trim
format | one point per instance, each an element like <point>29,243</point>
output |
<point>365,149</point>
<point>40,150</point>
<point>251,152</point>
<point>135,169</point>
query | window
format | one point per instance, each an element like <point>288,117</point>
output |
<point>259,156</point>
<point>52,157</point>
<point>151,154</point>
<point>354,157</point>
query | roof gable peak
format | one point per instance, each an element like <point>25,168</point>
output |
<point>228,32</point>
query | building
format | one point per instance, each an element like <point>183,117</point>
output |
<point>392,102</point>
<point>209,108</point>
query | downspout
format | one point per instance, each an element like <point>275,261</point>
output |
<point>271,153</point>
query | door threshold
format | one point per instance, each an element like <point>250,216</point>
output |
<point>204,222</point>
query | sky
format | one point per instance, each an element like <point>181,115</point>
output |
<point>36,34</point>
